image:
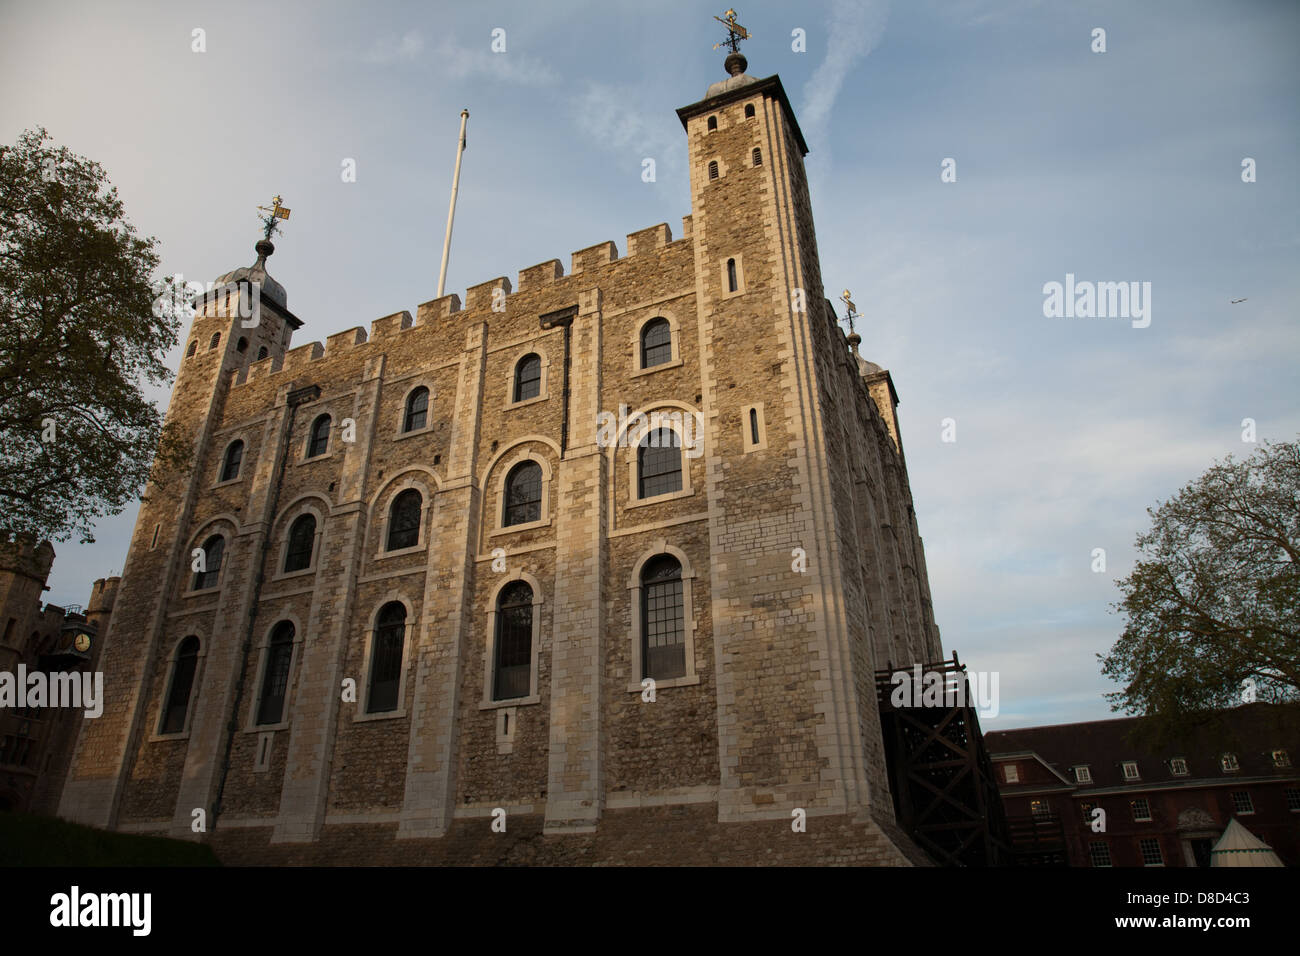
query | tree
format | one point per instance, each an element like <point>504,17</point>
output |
<point>1213,604</point>
<point>79,337</point>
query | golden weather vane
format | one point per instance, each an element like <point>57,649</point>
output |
<point>735,32</point>
<point>851,310</point>
<point>275,213</point>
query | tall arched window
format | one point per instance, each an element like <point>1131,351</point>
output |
<point>417,410</point>
<point>713,169</point>
<point>189,353</point>
<point>659,463</point>
<point>213,551</point>
<point>528,378</point>
<point>512,675</point>
<point>386,658</point>
<point>732,282</point>
<point>234,458</point>
<point>302,539</point>
<point>320,437</point>
<point>523,494</point>
<point>216,338</point>
<point>663,625</point>
<point>404,520</point>
<point>182,683</point>
<point>656,343</point>
<point>275,675</point>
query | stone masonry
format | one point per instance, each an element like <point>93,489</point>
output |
<point>801,563</point>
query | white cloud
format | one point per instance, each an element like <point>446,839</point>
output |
<point>477,61</point>
<point>855,29</point>
<point>395,49</point>
<point>615,119</point>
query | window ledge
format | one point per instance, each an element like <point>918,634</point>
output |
<point>386,715</point>
<point>156,738</point>
<point>227,483</point>
<point>286,575</point>
<point>411,434</point>
<point>204,592</point>
<point>528,401</point>
<point>657,499</point>
<point>512,702</point>
<point>414,549</point>
<point>675,363</point>
<point>308,461</point>
<point>266,728</point>
<point>690,680</point>
<point>512,528</point>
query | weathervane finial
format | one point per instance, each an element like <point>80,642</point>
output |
<point>850,310</point>
<point>735,32</point>
<point>274,213</point>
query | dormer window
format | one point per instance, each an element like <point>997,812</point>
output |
<point>1131,770</point>
<point>1229,763</point>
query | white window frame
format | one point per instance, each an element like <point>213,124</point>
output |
<point>1083,773</point>
<point>635,588</point>
<point>1249,802</point>
<point>490,645</point>
<point>1175,764</point>
<point>1131,771</point>
<point>1010,773</point>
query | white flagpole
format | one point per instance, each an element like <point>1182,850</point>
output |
<point>451,212</point>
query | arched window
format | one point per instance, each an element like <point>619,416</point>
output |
<point>713,169</point>
<point>417,410</point>
<point>216,338</point>
<point>213,550</point>
<point>275,675</point>
<point>262,353</point>
<point>241,345</point>
<point>386,658</point>
<point>659,463</point>
<point>302,539</point>
<point>512,673</point>
<point>404,520</point>
<point>656,343</point>
<point>234,458</point>
<point>758,156</point>
<point>732,282</point>
<point>749,110</point>
<point>189,353</point>
<point>663,625</point>
<point>528,378</point>
<point>178,695</point>
<point>320,437</point>
<point>713,122</point>
<point>523,494</point>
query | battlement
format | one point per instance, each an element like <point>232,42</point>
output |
<point>478,298</point>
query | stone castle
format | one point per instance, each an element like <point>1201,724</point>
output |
<point>410,606</point>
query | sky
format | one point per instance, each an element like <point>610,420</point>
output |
<point>1115,166</point>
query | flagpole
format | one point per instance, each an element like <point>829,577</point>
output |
<point>451,212</point>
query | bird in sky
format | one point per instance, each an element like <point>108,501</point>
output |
<point>1235,301</point>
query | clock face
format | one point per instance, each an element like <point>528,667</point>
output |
<point>82,642</point>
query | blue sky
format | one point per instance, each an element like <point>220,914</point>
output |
<point>1115,166</point>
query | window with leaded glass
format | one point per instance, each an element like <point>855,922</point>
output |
<point>512,673</point>
<point>1151,855</point>
<point>659,463</point>
<point>1099,852</point>
<point>320,437</point>
<point>386,658</point>
<point>404,520</point>
<point>523,494</point>
<point>178,694</point>
<point>275,675</point>
<point>1241,802</point>
<point>528,378</point>
<point>656,343</point>
<point>234,458</point>
<point>302,539</point>
<point>213,551</point>
<point>663,624</point>
<point>417,410</point>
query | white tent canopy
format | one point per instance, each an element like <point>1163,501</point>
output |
<point>1239,847</point>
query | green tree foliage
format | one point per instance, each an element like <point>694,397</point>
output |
<point>1213,604</point>
<point>79,338</point>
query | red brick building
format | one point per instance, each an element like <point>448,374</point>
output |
<point>1162,804</point>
